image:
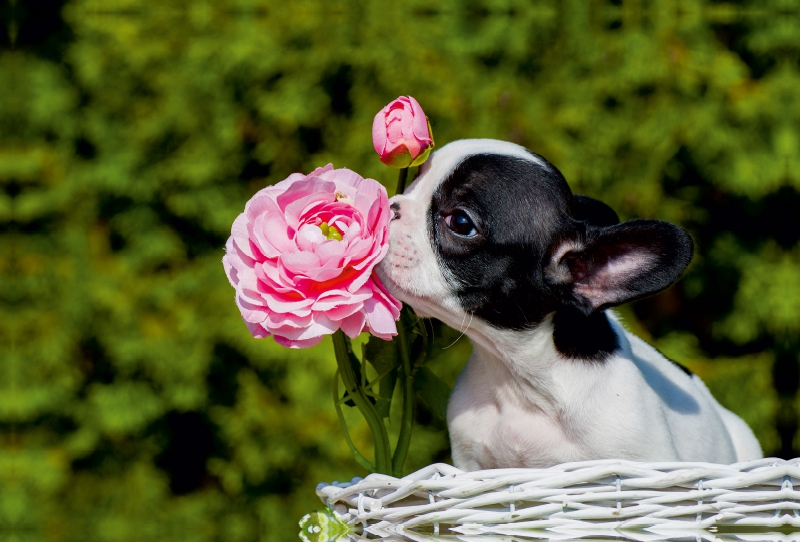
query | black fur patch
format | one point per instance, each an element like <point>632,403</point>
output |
<point>593,212</point>
<point>682,367</point>
<point>584,337</point>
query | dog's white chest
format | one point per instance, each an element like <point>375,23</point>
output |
<point>551,410</point>
<point>496,433</point>
<point>495,421</point>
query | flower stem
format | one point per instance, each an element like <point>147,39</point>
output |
<point>339,414</point>
<point>345,360</point>
<point>401,180</point>
<point>405,371</point>
<point>407,382</point>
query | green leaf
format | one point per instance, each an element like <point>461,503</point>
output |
<point>356,365</point>
<point>433,391</point>
<point>383,358</point>
<point>419,345</point>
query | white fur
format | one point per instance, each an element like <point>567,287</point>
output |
<point>519,403</point>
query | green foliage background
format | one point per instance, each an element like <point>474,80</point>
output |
<point>134,405</point>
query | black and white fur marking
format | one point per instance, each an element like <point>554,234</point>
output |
<point>490,240</point>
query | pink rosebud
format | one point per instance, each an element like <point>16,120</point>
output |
<point>401,133</point>
<point>302,254</point>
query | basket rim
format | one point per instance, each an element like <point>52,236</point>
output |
<point>609,496</point>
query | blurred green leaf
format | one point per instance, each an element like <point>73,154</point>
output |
<point>383,358</point>
<point>433,390</point>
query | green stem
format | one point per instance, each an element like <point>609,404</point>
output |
<point>360,459</point>
<point>401,181</point>
<point>407,380</point>
<point>406,376</point>
<point>344,359</point>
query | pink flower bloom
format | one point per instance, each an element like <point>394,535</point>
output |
<point>401,133</point>
<point>302,254</point>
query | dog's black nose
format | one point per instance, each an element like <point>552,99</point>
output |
<point>396,208</point>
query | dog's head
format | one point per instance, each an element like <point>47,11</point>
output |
<point>492,231</point>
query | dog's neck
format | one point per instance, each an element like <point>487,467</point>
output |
<point>529,362</point>
<point>522,360</point>
<point>529,351</point>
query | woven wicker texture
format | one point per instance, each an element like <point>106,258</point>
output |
<point>607,498</point>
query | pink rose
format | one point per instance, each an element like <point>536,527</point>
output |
<point>302,254</point>
<point>401,133</point>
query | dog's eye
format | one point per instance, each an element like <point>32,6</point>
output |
<point>461,224</point>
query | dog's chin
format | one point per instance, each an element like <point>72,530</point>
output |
<point>407,291</point>
<point>384,272</point>
<point>402,290</point>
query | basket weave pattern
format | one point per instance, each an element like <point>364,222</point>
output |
<point>641,501</point>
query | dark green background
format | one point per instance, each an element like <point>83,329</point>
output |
<point>134,405</point>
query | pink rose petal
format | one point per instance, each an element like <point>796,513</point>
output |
<point>419,123</point>
<point>379,132</point>
<point>299,263</point>
<point>308,343</point>
<point>257,331</point>
<point>353,325</point>
<point>379,319</point>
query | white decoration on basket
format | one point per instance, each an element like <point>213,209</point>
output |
<point>640,501</point>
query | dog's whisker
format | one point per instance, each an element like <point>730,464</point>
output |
<point>462,333</point>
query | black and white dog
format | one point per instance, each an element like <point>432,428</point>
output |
<point>489,239</point>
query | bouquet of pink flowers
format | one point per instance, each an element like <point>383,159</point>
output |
<point>301,258</point>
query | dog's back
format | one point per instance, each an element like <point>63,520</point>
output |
<point>702,429</point>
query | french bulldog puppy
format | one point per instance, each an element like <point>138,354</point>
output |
<point>490,240</point>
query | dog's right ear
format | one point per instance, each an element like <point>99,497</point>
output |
<point>592,211</point>
<point>597,268</point>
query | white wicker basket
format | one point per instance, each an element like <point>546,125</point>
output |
<point>607,498</point>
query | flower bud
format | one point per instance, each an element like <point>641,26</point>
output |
<point>401,133</point>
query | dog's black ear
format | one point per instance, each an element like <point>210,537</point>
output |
<point>614,264</point>
<point>592,211</point>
